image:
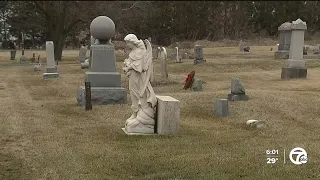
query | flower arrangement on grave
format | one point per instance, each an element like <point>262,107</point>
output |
<point>189,80</point>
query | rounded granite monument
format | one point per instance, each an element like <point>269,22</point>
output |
<point>104,79</point>
<point>102,28</point>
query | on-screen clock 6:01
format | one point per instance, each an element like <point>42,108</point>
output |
<point>273,151</point>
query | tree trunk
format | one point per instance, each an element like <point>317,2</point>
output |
<point>225,21</point>
<point>5,46</point>
<point>58,47</point>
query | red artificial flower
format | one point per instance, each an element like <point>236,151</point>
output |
<point>187,79</point>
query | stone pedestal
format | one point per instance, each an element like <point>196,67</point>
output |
<point>51,70</point>
<point>293,73</point>
<point>129,133</point>
<point>168,115</point>
<point>103,95</point>
<point>221,107</point>
<point>50,75</point>
<point>238,97</point>
<point>140,129</point>
<point>282,54</point>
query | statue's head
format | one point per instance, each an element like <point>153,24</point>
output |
<point>132,41</point>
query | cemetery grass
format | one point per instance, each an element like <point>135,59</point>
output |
<point>45,135</point>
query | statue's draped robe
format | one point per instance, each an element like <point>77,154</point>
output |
<point>139,79</point>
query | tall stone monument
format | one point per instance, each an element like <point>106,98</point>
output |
<point>285,39</point>
<point>164,63</point>
<point>51,70</point>
<point>295,66</point>
<point>103,76</point>
<point>198,53</point>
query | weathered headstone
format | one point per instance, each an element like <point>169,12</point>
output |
<point>37,67</point>
<point>23,58</point>
<point>197,84</point>
<point>317,49</point>
<point>241,45</point>
<point>158,52</point>
<point>237,91</point>
<point>164,63</point>
<point>178,58</point>
<point>85,64</point>
<point>221,107</point>
<point>295,66</point>
<point>168,115</point>
<point>285,39</point>
<point>88,105</point>
<point>33,59</point>
<point>51,70</point>
<point>104,79</point>
<point>38,60</point>
<point>198,53</point>
<point>305,50</point>
<point>246,49</point>
<point>12,54</point>
<point>82,54</point>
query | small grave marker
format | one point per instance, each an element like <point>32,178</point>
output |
<point>88,96</point>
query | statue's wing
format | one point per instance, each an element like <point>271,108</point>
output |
<point>148,57</point>
<point>147,67</point>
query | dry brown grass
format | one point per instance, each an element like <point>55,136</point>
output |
<point>45,135</point>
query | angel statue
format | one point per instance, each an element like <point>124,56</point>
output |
<point>138,68</point>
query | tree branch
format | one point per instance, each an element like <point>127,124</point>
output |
<point>71,25</point>
<point>41,8</point>
<point>132,6</point>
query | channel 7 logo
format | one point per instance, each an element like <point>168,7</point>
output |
<point>301,156</point>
